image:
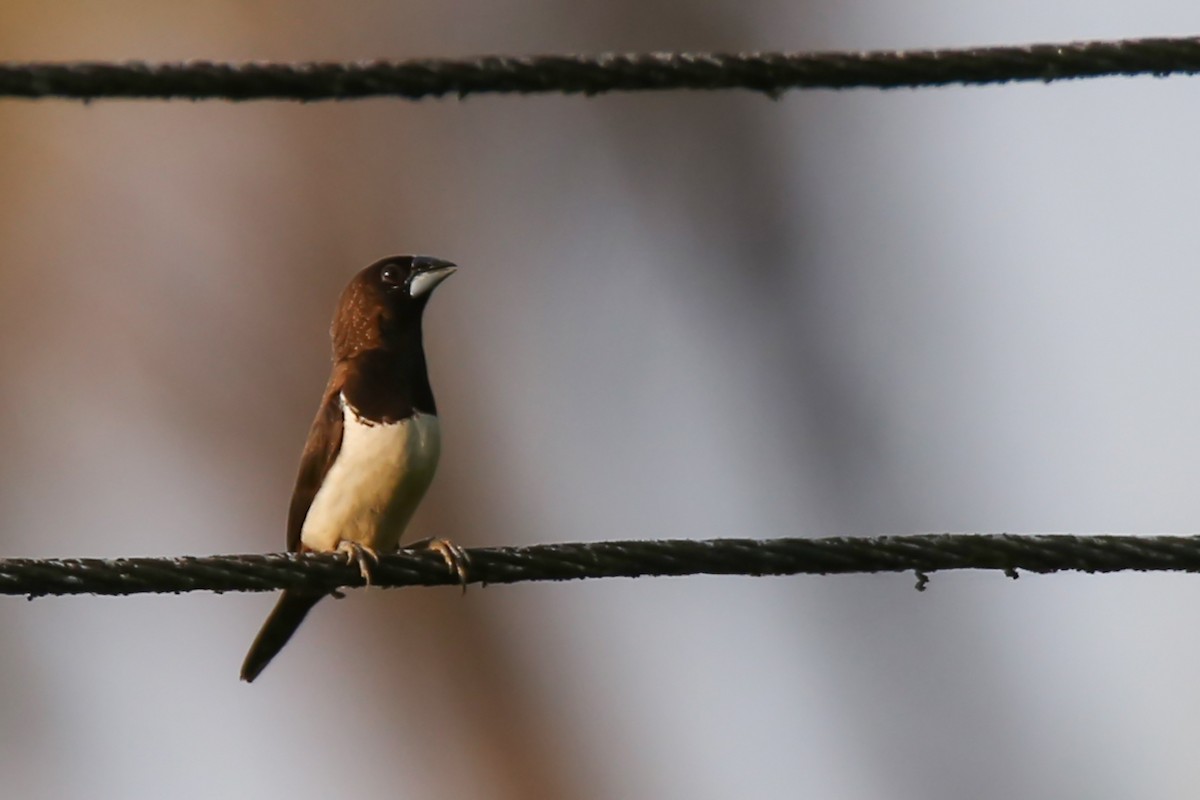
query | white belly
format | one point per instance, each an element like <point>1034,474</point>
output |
<point>378,478</point>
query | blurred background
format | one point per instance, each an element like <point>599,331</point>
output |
<point>677,315</point>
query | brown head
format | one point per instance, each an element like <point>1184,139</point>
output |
<point>382,305</point>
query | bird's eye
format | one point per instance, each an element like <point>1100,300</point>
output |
<point>392,275</point>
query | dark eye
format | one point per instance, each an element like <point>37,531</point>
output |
<point>392,275</point>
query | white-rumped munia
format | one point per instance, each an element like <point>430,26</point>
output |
<point>374,445</point>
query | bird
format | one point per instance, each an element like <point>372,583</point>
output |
<point>374,445</point>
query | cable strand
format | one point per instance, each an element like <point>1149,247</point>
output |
<point>922,555</point>
<point>771,73</point>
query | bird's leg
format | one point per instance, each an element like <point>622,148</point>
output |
<point>455,557</point>
<point>365,557</point>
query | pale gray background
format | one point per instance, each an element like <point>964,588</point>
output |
<point>682,315</point>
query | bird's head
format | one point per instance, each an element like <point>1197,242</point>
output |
<point>383,303</point>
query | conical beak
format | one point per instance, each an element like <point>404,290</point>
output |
<point>433,271</point>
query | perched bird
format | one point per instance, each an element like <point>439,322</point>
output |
<point>374,446</point>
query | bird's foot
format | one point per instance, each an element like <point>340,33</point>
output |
<point>455,557</point>
<point>366,557</point>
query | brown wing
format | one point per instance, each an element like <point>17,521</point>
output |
<point>324,442</point>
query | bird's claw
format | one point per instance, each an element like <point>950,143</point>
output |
<point>366,558</point>
<point>456,558</point>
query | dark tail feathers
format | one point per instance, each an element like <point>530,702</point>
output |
<point>289,612</point>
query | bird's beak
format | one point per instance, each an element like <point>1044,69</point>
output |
<point>432,272</point>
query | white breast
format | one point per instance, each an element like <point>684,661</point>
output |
<point>378,478</point>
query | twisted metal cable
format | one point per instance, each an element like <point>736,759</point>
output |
<point>575,74</point>
<point>628,559</point>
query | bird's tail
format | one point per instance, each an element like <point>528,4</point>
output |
<point>289,612</point>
